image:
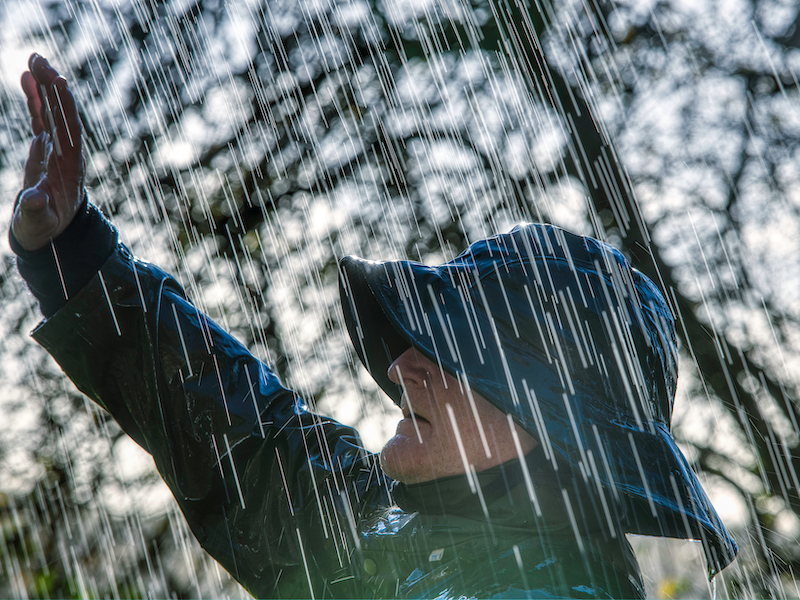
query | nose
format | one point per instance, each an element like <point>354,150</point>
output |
<point>409,368</point>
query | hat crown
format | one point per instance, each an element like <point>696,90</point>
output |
<point>578,300</point>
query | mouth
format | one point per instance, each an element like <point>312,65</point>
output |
<point>409,409</point>
<point>407,414</point>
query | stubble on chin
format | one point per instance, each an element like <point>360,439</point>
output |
<point>404,459</point>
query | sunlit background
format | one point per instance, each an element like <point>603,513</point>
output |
<point>244,146</point>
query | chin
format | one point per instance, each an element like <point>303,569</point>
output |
<point>404,459</point>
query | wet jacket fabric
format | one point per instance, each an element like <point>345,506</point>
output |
<point>289,502</point>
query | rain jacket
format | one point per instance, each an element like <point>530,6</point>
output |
<point>289,502</point>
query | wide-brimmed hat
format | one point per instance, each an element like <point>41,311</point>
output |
<point>560,332</point>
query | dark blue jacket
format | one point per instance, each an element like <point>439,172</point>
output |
<point>289,502</point>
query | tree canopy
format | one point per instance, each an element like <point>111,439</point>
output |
<point>245,146</point>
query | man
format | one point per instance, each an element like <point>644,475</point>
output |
<point>536,373</point>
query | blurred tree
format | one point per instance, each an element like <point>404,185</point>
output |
<point>244,146</point>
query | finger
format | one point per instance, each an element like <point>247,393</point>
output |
<point>67,122</point>
<point>31,89</point>
<point>44,75</point>
<point>35,165</point>
<point>41,69</point>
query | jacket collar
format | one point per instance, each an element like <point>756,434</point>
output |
<point>497,494</point>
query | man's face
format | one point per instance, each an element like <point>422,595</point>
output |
<point>442,427</point>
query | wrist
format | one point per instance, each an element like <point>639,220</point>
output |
<point>37,255</point>
<point>60,269</point>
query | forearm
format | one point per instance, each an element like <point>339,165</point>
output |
<point>88,339</point>
<point>182,387</point>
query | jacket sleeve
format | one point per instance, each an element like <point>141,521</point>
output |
<point>264,484</point>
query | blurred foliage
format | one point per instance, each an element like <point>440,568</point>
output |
<point>246,145</point>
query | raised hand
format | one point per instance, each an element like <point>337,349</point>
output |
<point>54,173</point>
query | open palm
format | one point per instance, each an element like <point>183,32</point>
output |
<point>54,173</point>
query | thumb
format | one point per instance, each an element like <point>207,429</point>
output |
<point>34,221</point>
<point>32,202</point>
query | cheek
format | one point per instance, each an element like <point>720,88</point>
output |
<point>466,422</point>
<point>462,414</point>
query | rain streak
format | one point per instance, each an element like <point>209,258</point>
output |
<point>246,147</point>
